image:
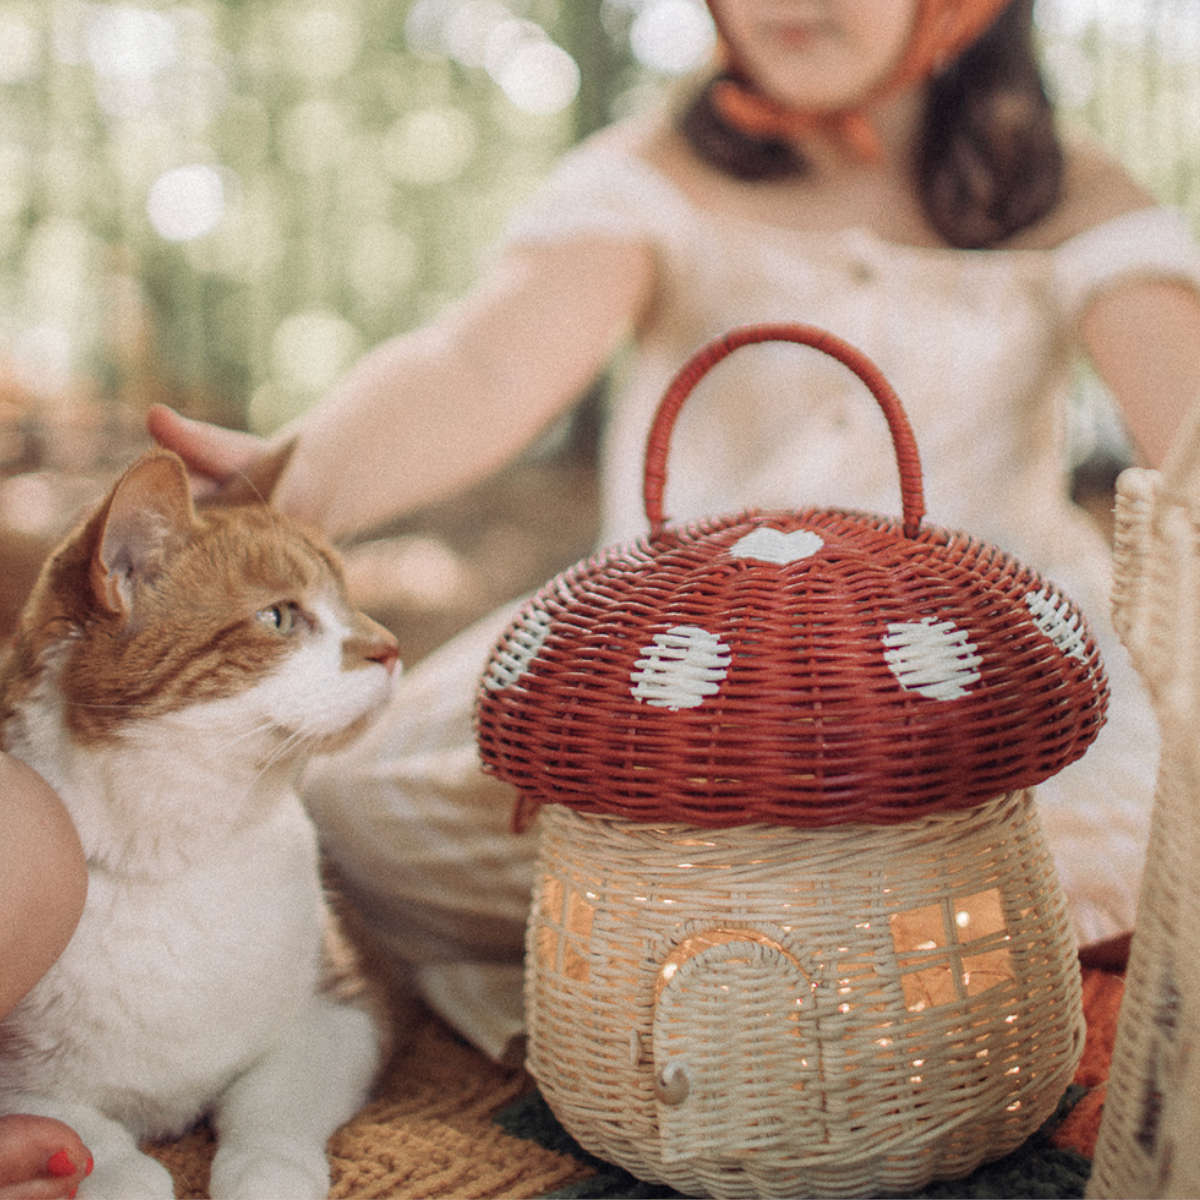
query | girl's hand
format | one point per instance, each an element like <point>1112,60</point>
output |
<point>40,1158</point>
<point>213,455</point>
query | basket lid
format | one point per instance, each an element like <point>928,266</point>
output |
<point>807,667</point>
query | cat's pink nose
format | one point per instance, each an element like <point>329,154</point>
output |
<point>386,654</point>
<point>370,643</point>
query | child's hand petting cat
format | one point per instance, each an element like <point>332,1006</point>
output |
<point>40,1159</point>
<point>213,455</point>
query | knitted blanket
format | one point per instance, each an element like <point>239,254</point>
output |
<point>447,1122</point>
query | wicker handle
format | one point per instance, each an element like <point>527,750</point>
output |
<point>904,444</point>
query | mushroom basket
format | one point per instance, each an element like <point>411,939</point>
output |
<point>795,926</point>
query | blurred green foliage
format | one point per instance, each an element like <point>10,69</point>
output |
<point>222,202</point>
<point>1128,72</point>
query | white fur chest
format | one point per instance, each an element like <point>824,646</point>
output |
<point>170,988</point>
<point>202,932</point>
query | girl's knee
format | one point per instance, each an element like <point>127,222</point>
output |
<point>43,879</point>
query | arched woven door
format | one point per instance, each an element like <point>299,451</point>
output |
<point>735,1055</point>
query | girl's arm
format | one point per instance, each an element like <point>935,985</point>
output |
<point>1144,339</point>
<point>430,412</point>
<point>1143,335</point>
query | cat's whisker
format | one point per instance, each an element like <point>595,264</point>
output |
<point>294,740</point>
<point>264,726</point>
<point>274,754</point>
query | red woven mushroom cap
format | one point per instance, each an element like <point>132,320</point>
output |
<point>803,667</point>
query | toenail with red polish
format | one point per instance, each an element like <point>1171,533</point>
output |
<point>60,1164</point>
<point>87,1169</point>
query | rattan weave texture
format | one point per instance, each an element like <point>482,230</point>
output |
<point>1149,1143</point>
<point>782,1012</point>
<point>804,668</point>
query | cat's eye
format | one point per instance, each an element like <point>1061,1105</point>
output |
<point>281,618</point>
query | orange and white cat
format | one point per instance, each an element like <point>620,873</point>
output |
<point>171,670</point>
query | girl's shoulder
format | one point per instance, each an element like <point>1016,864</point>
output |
<point>1108,231</point>
<point>632,152</point>
<point>644,165</point>
<point>654,141</point>
<point>609,184</point>
<point>1096,189</point>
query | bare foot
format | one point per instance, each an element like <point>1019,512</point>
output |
<point>40,1159</point>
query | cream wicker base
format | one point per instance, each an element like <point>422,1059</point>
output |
<point>767,1011</point>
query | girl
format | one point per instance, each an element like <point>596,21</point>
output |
<point>887,169</point>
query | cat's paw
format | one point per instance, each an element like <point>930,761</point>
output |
<point>132,1176</point>
<point>253,1173</point>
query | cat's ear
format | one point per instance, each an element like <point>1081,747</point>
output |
<point>256,484</point>
<point>147,517</point>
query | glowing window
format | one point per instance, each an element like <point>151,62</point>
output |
<point>564,932</point>
<point>950,950</point>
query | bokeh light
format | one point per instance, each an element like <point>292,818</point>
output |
<point>538,77</point>
<point>672,36</point>
<point>315,134</point>
<point>311,348</point>
<point>20,45</point>
<point>130,42</point>
<point>323,40</point>
<point>43,357</point>
<point>429,146</point>
<point>384,263</point>
<point>467,27</point>
<point>188,202</point>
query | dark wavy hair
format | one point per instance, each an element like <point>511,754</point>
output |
<point>989,161</point>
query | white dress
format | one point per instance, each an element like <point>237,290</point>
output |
<point>979,346</point>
